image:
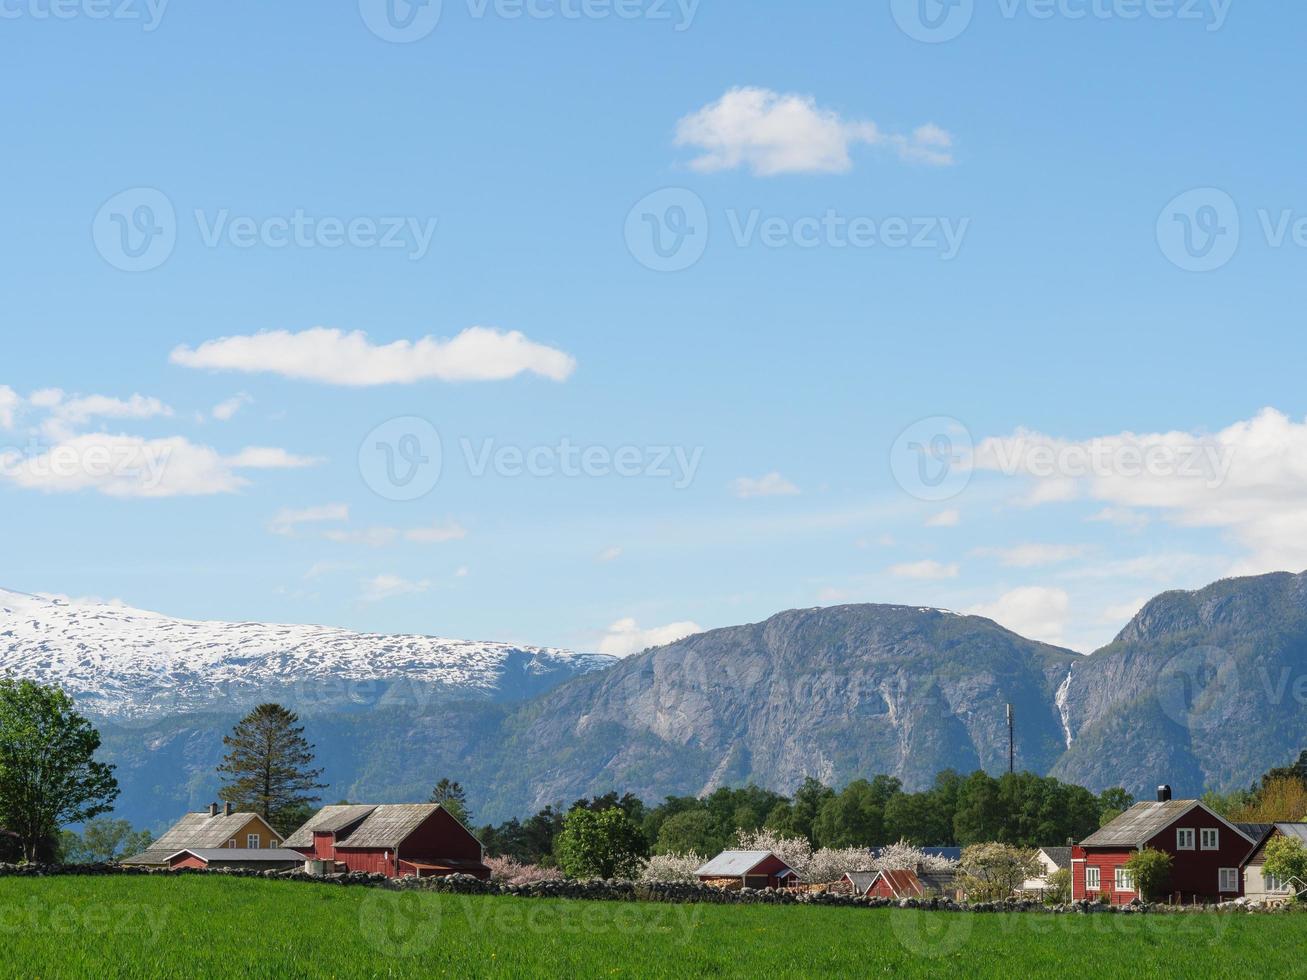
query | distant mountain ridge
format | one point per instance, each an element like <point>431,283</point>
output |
<point>120,662</point>
<point>1198,690</point>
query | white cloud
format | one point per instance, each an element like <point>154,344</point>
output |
<point>78,411</point>
<point>1032,555</point>
<point>9,405</point>
<point>609,554</point>
<point>1248,479</point>
<point>928,570</point>
<point>389,586</point>
<point>462,572</point>
<point>46,398</point>
<point>625,637</point>
<point>1124,612</point>
<point>129,466</point>
<point>271,458</point>
<point>771,485</point>
<point>225,411</point>
<point>1035,612</point>
<point>320,568</point>
<point>772,134</point>
<point>373,537</point>
<point>287,520</point>
<point>945,518</point>
<point>380,537</point>
<point>335,357</point>
<point>436,533</point>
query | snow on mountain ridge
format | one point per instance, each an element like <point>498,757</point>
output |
<point>120,661</point>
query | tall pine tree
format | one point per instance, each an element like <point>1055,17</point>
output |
<point>269,767</point>
<point>453,798</point>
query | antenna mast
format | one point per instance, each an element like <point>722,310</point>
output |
<point>1011,744</point>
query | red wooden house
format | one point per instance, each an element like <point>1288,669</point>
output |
<point>1207,852</point>
<point>419,839</point>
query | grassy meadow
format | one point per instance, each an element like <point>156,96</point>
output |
<point>195,926</point>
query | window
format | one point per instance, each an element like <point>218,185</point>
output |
<point>1184,839</point>
<point>252,841</point>
<point>1123,881</point>
<point>232,842</point>
<point>1229,880</point>
<point>1091,878</point>
<point>1274,884</point>
<point>1209,839</point>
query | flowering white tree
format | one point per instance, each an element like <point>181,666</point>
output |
<point>508,871</point>
<point>904,857</point>
<point>672,867</point>
<point>831,864</point>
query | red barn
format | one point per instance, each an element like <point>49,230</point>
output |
<point>1207,852</point>
<point>419,839</point>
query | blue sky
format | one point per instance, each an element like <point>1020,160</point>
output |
<point>859,230</point>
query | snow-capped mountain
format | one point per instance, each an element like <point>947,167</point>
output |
<point>119,662</point>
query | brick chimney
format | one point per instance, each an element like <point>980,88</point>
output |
<point>213,809</point>
<point>1164,794</point>
<point>228,809</point>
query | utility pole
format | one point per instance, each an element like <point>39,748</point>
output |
<point>1011,744</point>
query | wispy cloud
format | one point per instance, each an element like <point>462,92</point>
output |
<point>389,586</point>
<point>335,357</point>
<point>927,570</point>
<point>1036,612</point>
<point>945,518</point>
<point>625,637</point>
<point>1032,555</point>
<point>288,520</point>
<point>771,485</point>
<point>225,411</point>
<point>772,133</point>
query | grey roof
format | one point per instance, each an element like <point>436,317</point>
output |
<point>1257,831</point>
<point>193,830</point>
<point>152,856</point>
<point>734,864</point>
<point>332,818</point>
<point>1138,825</point>
<point>388,825</point>
<point>861,880</point>
<point>1298,830</point>
<point>245,854</point>
<point>1061,856</point>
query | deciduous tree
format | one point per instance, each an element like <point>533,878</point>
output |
<point>48,772</point>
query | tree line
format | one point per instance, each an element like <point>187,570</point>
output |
<point>1021,809</point>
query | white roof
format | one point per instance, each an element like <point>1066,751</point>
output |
<point>734,864</point>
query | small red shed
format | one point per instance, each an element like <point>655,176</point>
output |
<point>1207,853</point>
<point>398,840</point>
<point>751,869</point>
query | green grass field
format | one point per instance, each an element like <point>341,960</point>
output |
<point>210,927</point>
